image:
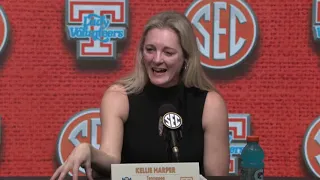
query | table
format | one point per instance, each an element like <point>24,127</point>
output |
<point>209,178</point>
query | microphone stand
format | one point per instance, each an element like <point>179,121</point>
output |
<point>173,146</point>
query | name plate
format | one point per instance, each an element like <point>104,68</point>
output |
<point>155,171</point>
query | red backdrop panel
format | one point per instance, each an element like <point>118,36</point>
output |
<point>41,87</point>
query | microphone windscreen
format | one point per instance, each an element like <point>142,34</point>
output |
<point>165,108</point>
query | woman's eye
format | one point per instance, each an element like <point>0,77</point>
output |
<point>169,53</point>
<point>149,49</point>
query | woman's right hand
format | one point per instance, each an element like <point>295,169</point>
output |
<point>80,156</point>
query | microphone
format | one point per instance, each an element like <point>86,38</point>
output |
<point>172,122</point>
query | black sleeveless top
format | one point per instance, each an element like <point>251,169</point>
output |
<point>142,142</point>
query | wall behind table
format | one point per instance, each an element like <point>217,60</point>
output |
<point>41,86</point>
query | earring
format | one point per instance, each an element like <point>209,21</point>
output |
<point>185,65</point>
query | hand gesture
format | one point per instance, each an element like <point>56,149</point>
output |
<point>80,156</point>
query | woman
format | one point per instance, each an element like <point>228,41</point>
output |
<point>167,70</point>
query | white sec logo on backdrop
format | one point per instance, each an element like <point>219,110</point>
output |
<point>82,127</point>
<point>226,31</point>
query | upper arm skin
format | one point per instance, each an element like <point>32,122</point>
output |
<point>216,136</point>
<point>113,113</point>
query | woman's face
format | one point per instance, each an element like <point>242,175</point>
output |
<point>163,57</point>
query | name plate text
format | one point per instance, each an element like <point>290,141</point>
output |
<point>155,171</point>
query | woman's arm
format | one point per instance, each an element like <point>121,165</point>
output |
<point>113,113</point>
<point>216,136</point>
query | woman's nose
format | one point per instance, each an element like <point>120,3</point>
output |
<point>158,57</point>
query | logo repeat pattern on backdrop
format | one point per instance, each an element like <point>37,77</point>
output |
<point>230,24</point>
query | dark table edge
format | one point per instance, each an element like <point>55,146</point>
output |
<point>105,178</point>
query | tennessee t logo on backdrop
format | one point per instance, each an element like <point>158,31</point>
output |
<point>316,19</point>
<point>97,25</point>
<point>226,31</point>
<point>311,147</point>
<point>239,129</point>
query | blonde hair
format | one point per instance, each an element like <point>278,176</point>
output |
<point>192,76</point>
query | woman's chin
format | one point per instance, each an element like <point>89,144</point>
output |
<point>158,82</point>
<point>163,80</point>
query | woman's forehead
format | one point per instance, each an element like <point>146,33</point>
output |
<point>162,37</point>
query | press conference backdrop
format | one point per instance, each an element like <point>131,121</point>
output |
<point>261,56</point>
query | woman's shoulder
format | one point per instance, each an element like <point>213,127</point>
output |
<point>197,92</point>
<point>115,103</point>
<point>116,88</point>
<point>115,92</point>
<point>207,96</point>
